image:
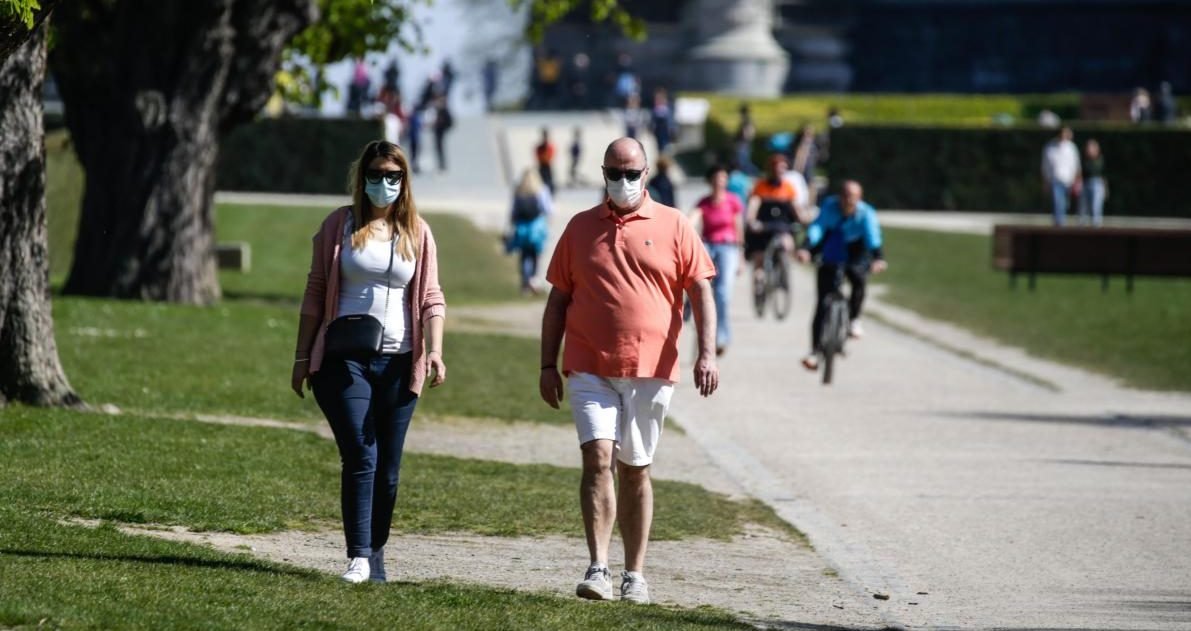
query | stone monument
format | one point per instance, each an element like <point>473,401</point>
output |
<point>733,50</point>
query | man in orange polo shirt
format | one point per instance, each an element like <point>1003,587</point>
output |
<point>618,275</point>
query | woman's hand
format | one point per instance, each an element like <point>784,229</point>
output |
<point>300,377</point>
<point>435,368</point>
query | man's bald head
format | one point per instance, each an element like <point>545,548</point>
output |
<point>850,196</point>
<point>625,153</point>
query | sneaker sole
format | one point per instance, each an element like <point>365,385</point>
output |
<point>591,593</point>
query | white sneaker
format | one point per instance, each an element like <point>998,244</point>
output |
<point>855,330</point>
<point>634,589</point>
<point>357,570</point>
<point>810,362</point>
<point>596,585</point>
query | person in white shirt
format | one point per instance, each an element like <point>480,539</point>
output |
<point>1061,175</point>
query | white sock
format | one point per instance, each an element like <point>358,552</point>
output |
<point>598,566</point>
<point>636,576</point>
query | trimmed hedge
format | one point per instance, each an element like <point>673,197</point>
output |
<point>988,169</point>
<point>293,155</point>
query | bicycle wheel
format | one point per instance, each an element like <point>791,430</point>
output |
<point>780,281</point>
<point>759,296</point>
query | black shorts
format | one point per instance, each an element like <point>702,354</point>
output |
<point>756,242</point>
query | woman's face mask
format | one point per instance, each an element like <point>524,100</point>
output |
<point>382,193</point>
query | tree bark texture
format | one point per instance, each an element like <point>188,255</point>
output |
<point>29,368</point>
<point>149,86</point>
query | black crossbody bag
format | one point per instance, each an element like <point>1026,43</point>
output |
<point>360,334</point>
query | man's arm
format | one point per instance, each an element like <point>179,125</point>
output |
<point>554,322</point>
<point>707,376</point>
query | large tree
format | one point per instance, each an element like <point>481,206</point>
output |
<point>29,368</point>
<point>149,86</point>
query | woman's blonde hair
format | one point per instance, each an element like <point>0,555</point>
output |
<point>403,214</point>
<point>530,184</point>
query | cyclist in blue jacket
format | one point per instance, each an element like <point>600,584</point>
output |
<point>847,236</point>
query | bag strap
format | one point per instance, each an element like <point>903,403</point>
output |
<point>388,288</point>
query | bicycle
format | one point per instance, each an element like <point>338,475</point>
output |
<point>833,332</point>
<point>776,286</point>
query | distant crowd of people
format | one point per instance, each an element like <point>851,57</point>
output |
<point>405,125</point>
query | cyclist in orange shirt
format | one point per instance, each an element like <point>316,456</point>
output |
<point>771,210</point>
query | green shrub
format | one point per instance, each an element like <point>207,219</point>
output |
<point>293,155</point>
<point>998,169</point>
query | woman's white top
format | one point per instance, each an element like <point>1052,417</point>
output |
<point>363,281</point>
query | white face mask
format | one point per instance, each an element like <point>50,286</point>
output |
<point>625,194</point>
<point>382,193</point>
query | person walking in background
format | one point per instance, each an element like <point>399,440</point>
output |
<point>576,153</point>
<point>443,122</point>
<point>618,274</point>
<point>806,159</point>
<point>1095,188</point>
<point>357,90</point>
<point>1168,107</point>
<point>413,132</point>
<point>376,262</point>
<point>1060,172</point>
<point>532,205</point>
<point>1140,109</point>
<point>847,234</point>
<point>548,71</point>
<point>661,121</point>
<point>635,118</point>
<point>544,154</point>
<point>739,183</point>
<point>489,76</point>
<point>746,131</point>
<point>661,187</point>
<point>718,217</point>
<point>579,81</point>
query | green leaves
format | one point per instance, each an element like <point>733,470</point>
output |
<point>22,9</point>
<point>543,13</point>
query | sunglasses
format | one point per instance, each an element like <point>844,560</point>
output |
<point>392,177</point>
<point>615,174</point>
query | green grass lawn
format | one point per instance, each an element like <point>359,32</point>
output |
<point>1143,339</point>
<point>59,576</point>
<point>140,469</point>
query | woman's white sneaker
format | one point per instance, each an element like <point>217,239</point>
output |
<point>357,570</point>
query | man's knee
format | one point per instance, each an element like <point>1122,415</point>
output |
<point>631,475</point>
<point>597,456</point>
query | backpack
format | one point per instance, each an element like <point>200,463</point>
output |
<point>526,209</point>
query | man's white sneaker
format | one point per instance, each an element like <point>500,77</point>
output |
<point>634,589</point>
<point>811,362</point>
<point>596,585</point>
<point>855,330</point>
<point>357,570</point>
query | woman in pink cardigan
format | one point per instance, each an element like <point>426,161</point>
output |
<point>375,257</point>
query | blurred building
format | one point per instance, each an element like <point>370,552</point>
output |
<point>909,45</point>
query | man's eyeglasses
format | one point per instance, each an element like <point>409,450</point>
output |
<point>392,177</point>
<point>615,174</point>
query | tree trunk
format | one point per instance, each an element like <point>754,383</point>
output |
<point>148,87</point>
<point>29,367</point>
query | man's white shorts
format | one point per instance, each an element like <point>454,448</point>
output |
<point>629,411</point>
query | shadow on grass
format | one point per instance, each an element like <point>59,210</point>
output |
<point>1129,421</point>
<point>263,298</point>
<point>248,566</point>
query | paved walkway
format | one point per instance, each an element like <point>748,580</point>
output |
<point>973,497</point>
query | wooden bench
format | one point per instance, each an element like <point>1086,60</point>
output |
<point>234,255</point>
<point>1033,250</point>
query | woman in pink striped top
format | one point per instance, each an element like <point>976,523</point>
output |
<point>720,216</point>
